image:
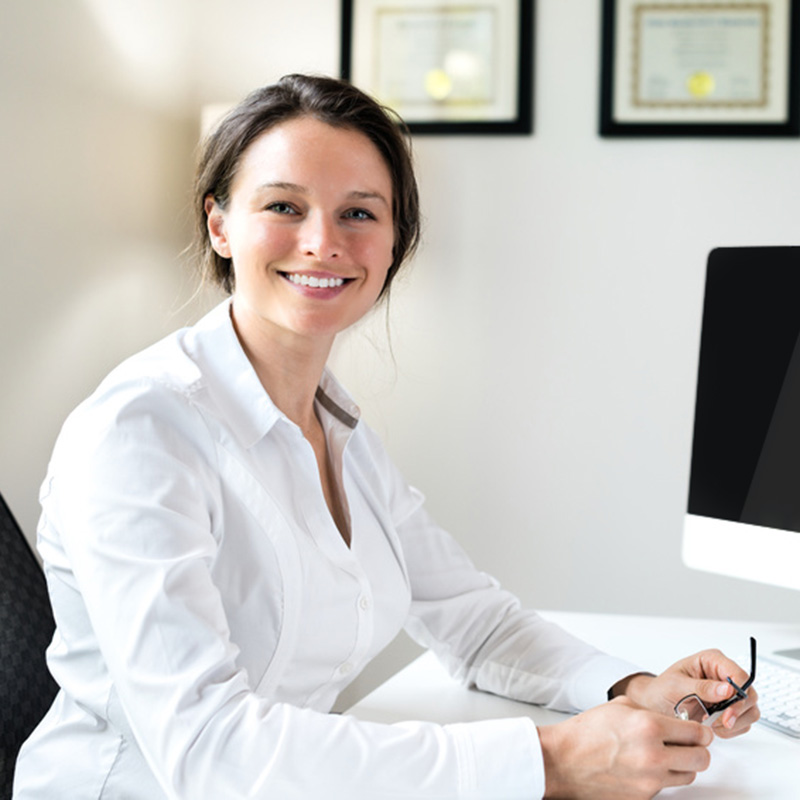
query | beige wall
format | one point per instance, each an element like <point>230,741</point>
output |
<point>101,113</point>
<point>541,383</point>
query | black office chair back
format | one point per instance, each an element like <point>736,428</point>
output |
<point>26,627</point>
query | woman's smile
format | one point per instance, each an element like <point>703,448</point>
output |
<point>322,285</point>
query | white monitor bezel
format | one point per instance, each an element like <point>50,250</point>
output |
<point>741,550</point>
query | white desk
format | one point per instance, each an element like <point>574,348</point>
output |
<point>762,764</point>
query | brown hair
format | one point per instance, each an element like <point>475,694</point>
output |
<point>332,101</point>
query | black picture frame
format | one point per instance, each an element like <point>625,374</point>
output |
<point>660,125</point>
<point>518,122</point>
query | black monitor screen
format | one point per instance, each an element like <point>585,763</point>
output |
<point>746,451</point>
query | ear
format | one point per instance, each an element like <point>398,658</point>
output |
<point>215,221</point>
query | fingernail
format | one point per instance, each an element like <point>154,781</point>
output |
<point>731,722</point>
<point>722,690</point>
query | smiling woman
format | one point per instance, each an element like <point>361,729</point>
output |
<point>227,544</point>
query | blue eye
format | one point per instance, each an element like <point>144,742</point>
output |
<point>281,208</point>
<point>359,214</point>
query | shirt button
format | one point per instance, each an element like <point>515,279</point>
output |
<point>346,668</point>
<point>364,603</point>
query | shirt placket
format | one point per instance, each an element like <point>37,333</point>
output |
<point>323,530</point>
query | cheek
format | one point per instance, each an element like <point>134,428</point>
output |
<point>379,254</point>
<point>259,243</point>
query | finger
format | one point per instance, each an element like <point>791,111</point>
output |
<point>751,715</point>
<point>686,733</point>
<point>741,726</point>
<point>737,731</point>
<point>717,665</point>
<point>712,691</point>
<point>750,702</point>
<point>687,759</point>
<point>734,723</point>
<point>747,708</point>
<point>736,727</point>
<point>679,778</point>
<point>739,711</point>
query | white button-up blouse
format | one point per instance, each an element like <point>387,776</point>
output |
<point>208,611</point>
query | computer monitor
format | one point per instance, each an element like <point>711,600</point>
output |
<point>743,516</point>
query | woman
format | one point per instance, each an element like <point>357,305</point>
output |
<point>227,544</point>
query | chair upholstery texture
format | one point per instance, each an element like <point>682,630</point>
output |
<point>26,628</point>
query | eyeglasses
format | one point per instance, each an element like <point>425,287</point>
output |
<point>693,708</point>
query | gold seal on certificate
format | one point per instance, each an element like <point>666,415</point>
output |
<point>700,84</point>
<point>438,84</point>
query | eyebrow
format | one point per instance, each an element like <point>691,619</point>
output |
<point>359,195</point>
<point>356,194</point>
<point>291,187</point>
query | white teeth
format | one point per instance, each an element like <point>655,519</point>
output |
<point>316,283</point>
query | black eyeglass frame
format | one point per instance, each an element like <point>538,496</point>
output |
<point>715,709</point>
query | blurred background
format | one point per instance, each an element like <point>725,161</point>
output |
<point>534,373</point>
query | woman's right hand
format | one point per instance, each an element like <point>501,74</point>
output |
<point>619,751</point>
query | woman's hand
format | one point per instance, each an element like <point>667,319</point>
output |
<point>620,752</point>
<point>704,674</point>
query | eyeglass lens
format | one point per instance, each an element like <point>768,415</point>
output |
<point>691,708</point>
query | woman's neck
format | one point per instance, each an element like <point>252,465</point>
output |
<point>289,366</point>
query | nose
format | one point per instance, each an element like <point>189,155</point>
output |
<point>320,238</point>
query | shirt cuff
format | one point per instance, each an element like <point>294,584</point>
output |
<point>589,687</point>
<point>500,759</point>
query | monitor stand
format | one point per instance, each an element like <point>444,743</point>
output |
<point>795,653</point>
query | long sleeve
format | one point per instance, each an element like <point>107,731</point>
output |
<point>477,629</point>
<point>486,639</point>
<point>136,504</point>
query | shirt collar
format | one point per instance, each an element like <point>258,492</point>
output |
<point>336,401</point>
<point>236,392</point>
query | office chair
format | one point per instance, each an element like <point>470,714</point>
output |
<point>26,627</point>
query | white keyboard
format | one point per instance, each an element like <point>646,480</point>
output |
<point>778,689</point>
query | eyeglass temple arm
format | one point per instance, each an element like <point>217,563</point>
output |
<point>746,685</point>
<point>742,690</point>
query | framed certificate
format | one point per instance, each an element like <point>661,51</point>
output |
<point>445,66</point>
<point>700,68</point>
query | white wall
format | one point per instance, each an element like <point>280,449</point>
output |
<point>541,384</point>
<point>546,344</point>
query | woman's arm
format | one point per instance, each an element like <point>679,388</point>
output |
<point>134,500</point>
<point>486,639</point>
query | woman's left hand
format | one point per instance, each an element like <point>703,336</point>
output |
<point>704,674</point>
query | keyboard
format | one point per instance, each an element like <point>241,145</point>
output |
<point>778,687</point>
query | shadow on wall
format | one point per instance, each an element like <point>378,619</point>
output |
<point>77,336</point>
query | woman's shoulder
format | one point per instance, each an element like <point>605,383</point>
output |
<point>159,382</point>
<point>180,361</point>
<point>164,368</point>
<point>162,374</point>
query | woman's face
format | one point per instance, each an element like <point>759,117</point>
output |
<point>308,228</point>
